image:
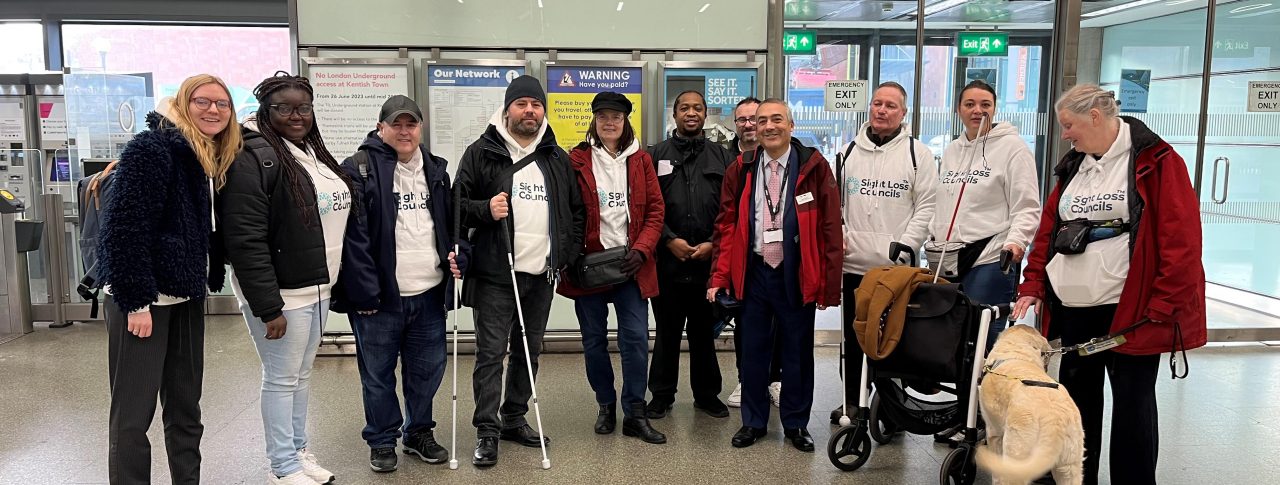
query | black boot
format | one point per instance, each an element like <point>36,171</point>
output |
<point>608,418</point>
<point>637,424</point>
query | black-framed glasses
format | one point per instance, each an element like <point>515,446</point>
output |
<point>205,103</point>
<point>290,109</point>
<point>743,120</point>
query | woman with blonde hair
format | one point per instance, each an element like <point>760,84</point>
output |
<point>1117,260</point>
<point>154,258</point>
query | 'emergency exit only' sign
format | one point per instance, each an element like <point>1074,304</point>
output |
<point>846,96</point>
<point>1264,96</point>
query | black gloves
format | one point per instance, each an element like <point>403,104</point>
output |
<point>632,264</point>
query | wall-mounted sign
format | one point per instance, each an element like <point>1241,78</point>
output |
<point>799,42</point>
<point>722,88</point>
<point>1135,88</point>
<point>1264,97</point>
<point>462,98</point>
<point>982,44</point>
<point>348,96</point>
<point>570,90</point>
<point>846,96</point>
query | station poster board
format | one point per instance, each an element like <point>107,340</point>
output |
<point>349,93</point>
<point>571,85</point>
<point>462,96</point>
<point>723,84</point>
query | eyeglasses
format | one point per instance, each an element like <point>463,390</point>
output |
<point>289,109</point>
<point>205,103</point>
<point>611,117</point>
<point>743,120</point>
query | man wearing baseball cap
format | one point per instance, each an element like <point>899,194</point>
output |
<point>514,178</point>
<point>396,282</point>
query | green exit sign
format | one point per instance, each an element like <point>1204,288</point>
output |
<point>980,44</point>
<point>799,42</point>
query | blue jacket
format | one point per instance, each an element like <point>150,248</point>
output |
<point>156,233</point>
<point>367,280</point>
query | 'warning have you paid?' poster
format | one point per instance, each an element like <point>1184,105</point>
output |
<point>571,89</point>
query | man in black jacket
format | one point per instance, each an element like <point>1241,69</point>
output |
<point>744,126</point>
<point>514,179</point>
<point>690,170</point>
<point>395,282</point>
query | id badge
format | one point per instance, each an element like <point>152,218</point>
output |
<point>1100,346</point>
<point>772,236</point>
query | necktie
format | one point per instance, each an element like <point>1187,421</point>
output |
<point>772,251</point>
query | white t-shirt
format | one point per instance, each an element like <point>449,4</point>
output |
<point>333,201</point>
<point>530,210</point>
<point>611,189</point>
<point>417,260</point>
<point>1098,192</point>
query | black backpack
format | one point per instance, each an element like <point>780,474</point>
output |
<point>90,190</point>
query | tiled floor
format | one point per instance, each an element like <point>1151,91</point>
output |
<point>1220,426</point>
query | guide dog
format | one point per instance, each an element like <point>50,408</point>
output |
<point>1033,426</point>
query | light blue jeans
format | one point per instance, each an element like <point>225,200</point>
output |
<point>286,381</point>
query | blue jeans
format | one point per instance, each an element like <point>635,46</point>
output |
<point>286,380</point>
<point>416,336</point>
<point>985,284</point>
<point>633,343</point>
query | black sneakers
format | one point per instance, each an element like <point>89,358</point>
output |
<point>424,446</point>
<point>383,460</point>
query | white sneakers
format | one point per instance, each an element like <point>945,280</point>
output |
<point>312,469</point>
<point>735,397</point>
<point>295,478</point>
<point>775,394</point>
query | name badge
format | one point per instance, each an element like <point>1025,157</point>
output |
<point>664,167</point>
<point>1095,347</point>
<point>803,198</point>
<point>772,236</point>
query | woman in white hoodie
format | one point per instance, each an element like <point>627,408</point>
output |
<point>988,202</point>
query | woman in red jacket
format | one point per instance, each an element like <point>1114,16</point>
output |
<point>624,209</point>
<point>1117,253</point>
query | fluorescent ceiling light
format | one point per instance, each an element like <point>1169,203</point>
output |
<point>704,8</point>
<point>935,8</point>
<point>1178,2</point>
<point>619,6</point>
<point>1256,14</point>
<point>1247,8</point>
<point>1119,8</point>
<point>539,3</point>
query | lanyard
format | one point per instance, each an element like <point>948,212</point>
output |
<point>774,210</point>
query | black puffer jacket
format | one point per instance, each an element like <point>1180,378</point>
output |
<point>478,181</point>
<point>691,191</point>
<point>156,233</point>
<point>268,245</point>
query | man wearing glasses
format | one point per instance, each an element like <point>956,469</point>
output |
<point>689,172</point>
<point>744,125</point>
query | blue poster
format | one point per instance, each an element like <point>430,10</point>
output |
<point>1135,87</point>
<point>473,76</point>
<point>722,88</point>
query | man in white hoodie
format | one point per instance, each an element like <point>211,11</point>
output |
<point>515,172</point>
<point>887,179</point>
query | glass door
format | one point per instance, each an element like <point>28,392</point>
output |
<point>1239,203</point>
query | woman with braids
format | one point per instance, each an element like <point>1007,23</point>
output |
<point>154,258</point>
<point>283,213</point>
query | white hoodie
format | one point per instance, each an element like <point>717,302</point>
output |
<point>530,212</point>
<point>611,188</point>
<point>1002,197</point>
<point>885,198</point>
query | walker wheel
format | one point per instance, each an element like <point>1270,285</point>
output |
<point>849,448</point>
<point>958,467</point>
<point>882,430</point>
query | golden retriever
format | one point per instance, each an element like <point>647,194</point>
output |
<point>1033,426</point>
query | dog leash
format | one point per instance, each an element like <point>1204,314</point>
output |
<point>990,369</point>
<point>1115,339</point>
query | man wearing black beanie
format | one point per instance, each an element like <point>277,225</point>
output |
<point>514,172</point>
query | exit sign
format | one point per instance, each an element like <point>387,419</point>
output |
<point>799,42</point>
<point>981,44</point>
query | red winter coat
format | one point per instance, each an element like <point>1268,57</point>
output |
<point>644,197</point>
<point>1166,274</point>
<point>821,241</point>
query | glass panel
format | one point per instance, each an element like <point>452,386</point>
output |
<point>1239,204</point>
<point>23,47</point>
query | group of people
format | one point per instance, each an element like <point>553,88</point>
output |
<point>385,235</point>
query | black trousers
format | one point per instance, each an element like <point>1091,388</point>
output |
<point>683,307</point>
<point>169,363</point>
<point>775,366</point>
<point>497,329</point>
<point>1135,437</point>
<point>852,350</point>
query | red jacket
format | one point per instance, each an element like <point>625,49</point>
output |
<point>821,243</point>
<point>1166,274</point>
<point>644,197</point>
